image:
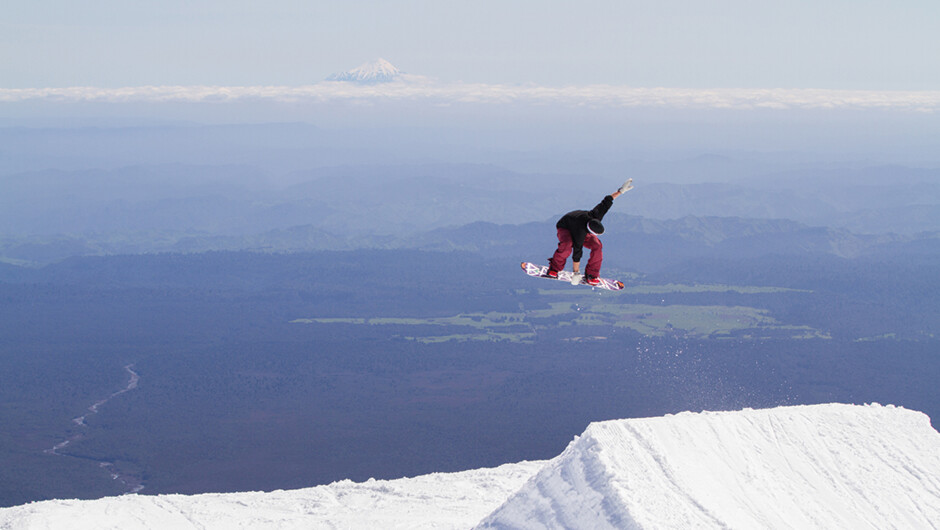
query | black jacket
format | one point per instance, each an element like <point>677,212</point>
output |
<point>576,221</point>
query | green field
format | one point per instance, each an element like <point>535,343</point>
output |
<point>603,311</point>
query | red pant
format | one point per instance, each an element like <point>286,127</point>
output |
<point>593,268</point>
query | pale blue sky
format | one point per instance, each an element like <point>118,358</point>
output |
<point>837,44</point>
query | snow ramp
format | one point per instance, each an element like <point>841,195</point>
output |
<point>819,466</point>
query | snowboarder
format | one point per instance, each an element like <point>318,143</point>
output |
<point>578,229</point>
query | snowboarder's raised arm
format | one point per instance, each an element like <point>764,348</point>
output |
<point>600,210</point>
<point>625,187</point>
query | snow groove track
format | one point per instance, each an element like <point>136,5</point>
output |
<point>820,466</point>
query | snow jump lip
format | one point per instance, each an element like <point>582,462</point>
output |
<point>814,466</point>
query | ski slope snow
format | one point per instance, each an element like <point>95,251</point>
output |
<point>818,466</point>
<point>437,500</point>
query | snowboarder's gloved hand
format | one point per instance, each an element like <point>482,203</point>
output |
<point>627,186</point>
<point>576,278</point>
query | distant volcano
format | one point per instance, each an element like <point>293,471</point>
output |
<point>377,71</point>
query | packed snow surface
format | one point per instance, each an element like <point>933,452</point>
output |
<point>438,500</point>
<point>820,466</point>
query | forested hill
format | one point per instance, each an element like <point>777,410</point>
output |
<point>633,242</point>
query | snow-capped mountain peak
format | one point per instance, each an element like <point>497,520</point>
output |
<point>377,71</point>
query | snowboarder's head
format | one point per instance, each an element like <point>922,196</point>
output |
<point>595,227</point>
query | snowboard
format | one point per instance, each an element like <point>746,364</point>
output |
<point>539,271</point>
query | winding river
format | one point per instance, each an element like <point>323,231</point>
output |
<point>132,484</point>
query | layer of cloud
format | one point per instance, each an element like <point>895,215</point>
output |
<point>599,96</point>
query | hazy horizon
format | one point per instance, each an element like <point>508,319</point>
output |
<point>681,44</point>
<point>582,89</point>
